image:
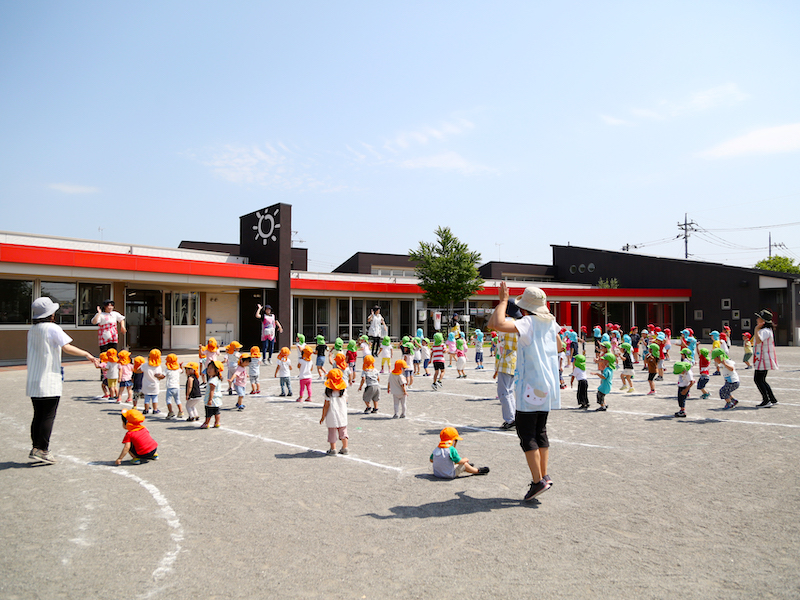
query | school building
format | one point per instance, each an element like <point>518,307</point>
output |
<point>175,298</point>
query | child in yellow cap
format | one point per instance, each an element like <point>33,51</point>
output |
<point>103,366</point>
<point>239,378</point>
<point>112,373</point>
<point>253,369</point>
<point>305,367</point>
<point>232,360</point>
<point>397,388</point>
<point>125,374</point>
<point>137,441</point>
<point>151,386</point>
<point>447,462</point>
<point>284,370</point>
<point>173,386</point>
<point>370,377</point>
<point>334,411</point>
<point>193,393</point>
<point>207,354</point>
<point>213,397</point>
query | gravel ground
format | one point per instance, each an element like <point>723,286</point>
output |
<point>644,505</point>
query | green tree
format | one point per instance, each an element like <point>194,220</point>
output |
<point>783,264</point>
<point>447,269</point>
<point>608,284</point>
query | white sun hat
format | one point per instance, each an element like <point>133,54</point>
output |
<point>43,307</point>
<point>534,300</point>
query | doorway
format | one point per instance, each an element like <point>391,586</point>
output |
<point>144,316</point>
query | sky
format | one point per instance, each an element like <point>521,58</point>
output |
<point>516,124</point>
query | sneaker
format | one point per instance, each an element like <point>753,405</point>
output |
<point>367,410</point>
<point>374,410</point>
<point>774,402</point>
<point>623,388</point>
<point>508,425</point>
<point>734,402</point>
<point>282,394</point>
<point>548,480</point>
<point>651,392</point>
<point>630,390</point>
<point>289,395</point>
<point>396,416</point>
<point>727,406</point>
<point>136,461</point>
<point>156,412</point>
<point>659,378</point>
<point>331,452</point>
<point>536,489</point>
<point>764,404</point>
<point>403,416</point>
<point>434,386</point>
<point>180,415</point>
<point>216,426</point>
<point>344,451</point>
<point>240,406</point>
<point>170,415</point>
<point>482,471</point>
<point>230,392</point>
<point>680,413</point>
<point>601,409</point>
<point>33,455</point>
<point>705,395</point>
<point>717,373</point>
<point>46,456</point>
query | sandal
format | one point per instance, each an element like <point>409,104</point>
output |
<point>204,426</point>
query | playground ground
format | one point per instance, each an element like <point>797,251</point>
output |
<point>644,505</point>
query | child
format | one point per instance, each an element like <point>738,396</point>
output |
<point>417,341</point>
<point>579,374</point>
<point>661,340</point>
<point>748,349</point>
<point>562,362</point>
<point>685,382</point>
<point>103,358</point>
<point>451,348</point>
<point>173,386</point>
<point>635,338</point>
<point>209,353</point>
<point>461,358</point>
<point>193,393</point>
<point>284,371</point>
<point>304,366</point>
<point>606,363</point>
<point>667,342</point>
<point>704,378</point>
<point>385,353</point>
<point>138,379</point>
<point>152,375</point>
<point>340,361</point>
<point>437,356</point>
<point>137,442</point>
<point>731,378</point>
<point>125,374</point>
<point>627,367</point>
<point>232,361</point>
<point>338,346</point>
<point>478,349</point>
<point>253,370</point>
<point>322,347</point>
<point>352,355</point>
<point>651,364</point>
<point>334,411</point>
<point>213,398</point>
<point>447,463</point>
<point>425,351</point>
<point>400,394</point>
<point>365,346</point>
<point>493,345</point>
<point>301,343</point>
<point>372,391</point>
<point>715,345</point>
<point>112,373</point>
<point>239,378</point>
<point>407,348</point>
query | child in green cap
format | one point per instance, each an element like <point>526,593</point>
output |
<point>626,352</point>
<point>606,363</point>
<point>704,363</point>
<point>352,355</point>
<point>579,374</point>
<point>651,363</point>
<point>385,353</point>
<point>338,346</point>
<point>437,356</point>
<point>322,347</point>
<point>685,382</point>
<point>731,378</point>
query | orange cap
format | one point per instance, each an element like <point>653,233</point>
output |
<point>212,345</point>
<point>255,352</point>
<point>233,347</point>
<point>103,357</point>
<point>124,357</point>
<point>172,362</point>
<point>243,357</point>
<point>134,419</point>
<point>369,362</point>
<point>307,352</point>
<point>334,380</point>
<point>137,364</point>
<point>283,353</point>
<point>154,359</point>
<point>340,360</point>
<point>447,435</point>
<point>193,366</point>
<point>111,353</point>
<point>399,365</point>
<point>217,364</point>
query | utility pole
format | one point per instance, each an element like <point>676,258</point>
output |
<point>686,229</point>
<point>770,244</point>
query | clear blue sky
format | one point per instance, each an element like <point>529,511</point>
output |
<point>517,124</point>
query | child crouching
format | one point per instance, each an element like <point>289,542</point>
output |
<point>137,442</point>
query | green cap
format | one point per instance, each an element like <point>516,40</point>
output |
<point>681,367</point>
<point>387,341</point>
<point>320,340</point>
<point>406,339</point>
<point>719,352</point>
<point>704,352</point>
<point>626,346</point>
<point>438,338</point>
<point>606,345</point>
<point>655,349</point>
<point>338,344</point>
<point>351,346</point>
<point>686,352</point>
<point>610,359</point>
<point>301,338</point>
<point>580,361</point>
<point>460,344</point>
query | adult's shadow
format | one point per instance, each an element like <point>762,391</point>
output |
<point>19,465</point>
<point>461,505</point>
<point>307,454</point>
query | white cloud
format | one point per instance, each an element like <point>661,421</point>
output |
<point>614,121</point>
<point>770,140</point>
<point>723,95</point>
<point>423,135</point>
<point>447,161</point>
<point>69,188</point>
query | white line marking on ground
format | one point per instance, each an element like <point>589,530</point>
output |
<point>692,418</point>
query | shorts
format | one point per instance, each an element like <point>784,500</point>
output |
<point>651,376</point>
<point>254,379</point>
<point>173,396</point>
<point>352,366</point>
<point>407,373</point>
<point>335,433</point>
<point>479,357</point>
<point>128,383</point>
<point>601,398</point>
<point>425,363</point>
<point>417,361</point>
<point>320,361</point>
<point>532,430</point>
<point>149,456</point>
<point>112,382</point>
<point>239,390</point>
<point>627,372</point>
<point>211,411</point>
<point>660,363</point>
<point>438,365</point>
<point>150,398</point>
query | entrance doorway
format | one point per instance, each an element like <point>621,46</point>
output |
<point>144,316</point>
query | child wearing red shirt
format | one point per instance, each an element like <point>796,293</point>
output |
<point>137,441</point>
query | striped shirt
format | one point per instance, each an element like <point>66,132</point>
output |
<point>45,341</point>
<point>507,363</point>
<point>437,353</point>
<point>766,358</point>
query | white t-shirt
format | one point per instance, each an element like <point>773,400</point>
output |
<point>150,384</point>
<point>685,378</point>
<point>731,376</point>
<point>283,368</point>
<point>365,347</point>
<point>305,368</point>
<point>45,341</point>
<point>337,411</point>
<point>386,351</point>
<point>579,374</point>
<point>173,379</point>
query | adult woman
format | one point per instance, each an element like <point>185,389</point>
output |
<point>107,319</point>
<point>46,340</point>
<point>375,325</point>
<point>766,358</point>
<point>268,325</point>
<point>538,390</point>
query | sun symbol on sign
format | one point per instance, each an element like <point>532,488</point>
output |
<point>266,227</point>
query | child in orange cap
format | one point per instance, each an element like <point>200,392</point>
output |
<point>284,371</point>
<point>253,369</point>
<point>173,386</point>
<point>138,379</point>
<point>239,378</point>
<point>193,393</point>
<point>112,373</point>
<point>397,382</point>
<point>232,360</point>
<point>103,358</point>
<point>125,373</point>
<point>340,360</point>
<point>137,442</point>
<point>208,353</point>
<point>447,462</point>
<point>370,377</point>
<point>334,411</point>
<point>151,386</point>
<point>304,366</point>
<point>213,397</point>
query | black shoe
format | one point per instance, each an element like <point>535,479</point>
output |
<point>374,410</point>
<point>508,425</point>
<point>367,410</point>
<point>536,489</point>
<point>601,409</point>
<point>774,402</point>
<point>680,413</point>
<point>482,471</point>
<point>764,404</point>
<point>548,480</point>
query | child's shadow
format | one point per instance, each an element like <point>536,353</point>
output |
<point>307,454</point>
<point>19,465</point>
<point>462,505</point>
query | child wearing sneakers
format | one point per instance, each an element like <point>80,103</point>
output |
<point>112,373</point>
<point>447,462</point>
<point>685,382</point>
<point>748,349</point>
<point>606,365</point>
<point>478,335</point>
<point>731,378</point>
<point>370,378</point>
<point>284,371</point>
<point>103,366</point>
<point>352,355</point>
<point>137,442</point>
<point>138,379</point>
<point>397,382</point>
<point>385,353</point>
<point>213,398</point>
<point>579,375</point>
<point>425,351</point>
<point>151,385</point>
<point>173,386</point>
<point>239,378</point>
<point>461,358</point>
<point>407,350</point>
<point>125,374</point>
<point>193,393</point>
<point>437,356</point>
<point>253,369</point>
<point>232,361</point>
<point>322,347</point>
<point>340,361</point>
<point>626,350</point>
<point>334,411</point>
<point>304,367</point>
<point>651,364</point>
<point>704,378</point>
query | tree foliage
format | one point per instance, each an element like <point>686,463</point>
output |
<point>608,284</point>
<point>783,264</point>
<point>447,269</point>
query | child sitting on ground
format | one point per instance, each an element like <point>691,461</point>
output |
<point>334,411</point>
<point>284,371</point>
<point>370,378</point>
<point>447,462</point>
<point>137,442</point>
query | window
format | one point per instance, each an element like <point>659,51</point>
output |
<point>726,304</point>
<point>64,295</point>
<point>698,314</point>
<point>315,318</point>
<point>15,301</point>
<point>184,308</point>
<point>745,324</point>
<point>90,296</point>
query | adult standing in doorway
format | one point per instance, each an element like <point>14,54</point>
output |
<point>766,358</point>
<point>538,390</point>
<point>268,325</point>
<point>375,325</point>
<point>107,319</point>
<point>46,340</point>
